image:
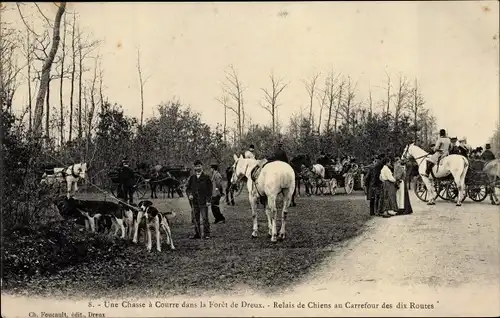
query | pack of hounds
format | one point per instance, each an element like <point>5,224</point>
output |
<point>110,217</point>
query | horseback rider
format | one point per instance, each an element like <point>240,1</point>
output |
<point>463,147</point>
<point>250,153</point>
<point>323,159</point>
<point>441,150</point>
<point>454,147</point>
<point>487,154</point>
<point>278,155</point>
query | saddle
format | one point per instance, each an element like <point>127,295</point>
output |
<point>254,174</point>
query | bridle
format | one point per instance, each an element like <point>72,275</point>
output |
<point>238,178</point>
<point>73,173</point>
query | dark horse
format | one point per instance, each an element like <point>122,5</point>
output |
<point>165,178</point>
<point>298,163</point>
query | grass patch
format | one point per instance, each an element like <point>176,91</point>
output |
<point>62,259</point>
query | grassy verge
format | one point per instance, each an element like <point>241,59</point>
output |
<point>62,259</point>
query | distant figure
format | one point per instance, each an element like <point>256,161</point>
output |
<point>250,153</point>
<point>487,154</point>
<point>217,192</point>
<point>126,179</point>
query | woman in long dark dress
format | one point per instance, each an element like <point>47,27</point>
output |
<point>402,197</point>
<point>388,205</point>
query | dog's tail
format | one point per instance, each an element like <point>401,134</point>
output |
<point>170,214</point>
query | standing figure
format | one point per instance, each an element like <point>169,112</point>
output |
<point>199,192</point>
<point>216,194</point>
<point>126,177</point>
<point>373,184</point>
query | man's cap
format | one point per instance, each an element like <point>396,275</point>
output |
<point>252,147</point>
<point>442,132</point>
<point>214,164</point>
<point>198,163</point>
<point>487,146</point>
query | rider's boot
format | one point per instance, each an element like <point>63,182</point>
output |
<point>429,168</point>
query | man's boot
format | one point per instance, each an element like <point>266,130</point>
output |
<point>429,168</point>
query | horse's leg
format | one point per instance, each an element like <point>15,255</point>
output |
<point>284,212</point>
<point>460,182</point>
<point>269,221</point>
<point>271,202</point>
<point>293,198</point>
<point>253,205</point>
<point>492,186</point>
<point>430,190</point>
<point>68,188</point>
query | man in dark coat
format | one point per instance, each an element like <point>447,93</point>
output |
<point>279,154</point>
<point>199,192</point>
<point>374,185</point>
<point>487,154</point>
<point>126,177</point>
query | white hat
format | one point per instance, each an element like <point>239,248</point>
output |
<point>463,139</point>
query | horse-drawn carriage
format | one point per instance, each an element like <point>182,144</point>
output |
<point>476,183</point>
<point>334,178</point>
<point>147,178</point>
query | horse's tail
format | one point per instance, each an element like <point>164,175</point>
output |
<point>466,168</point>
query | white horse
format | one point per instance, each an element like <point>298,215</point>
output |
<point>456,165</point>
<point>71,175</point>
<point>274,178</point>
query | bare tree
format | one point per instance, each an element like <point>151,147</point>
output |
<point>47,66</point>
<point>322,98</point>
<point>401,98</point>
<point>370,102</point>
<point>84,49</point>
<point>330,83</point>
<point>271,98</point>
<point>234,88</point>
<point>73,76</point>
<point>101,79</point>
<point>416,106</point>
<point>224,101</point>
<point>142,82</point>
<point>389,96</point>
<point>61,83</point>
<point>346,108</point>
<point>311,89</point>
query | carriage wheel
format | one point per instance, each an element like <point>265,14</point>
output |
<point>452,191</point>
<point>443,190</point>
<point>349,183</point>
<point>333,186</point>
<point>421,190</point>
<point>477,192</point>
<point>141,188</point>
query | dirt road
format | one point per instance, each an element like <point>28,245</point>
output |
<point>445,256</point>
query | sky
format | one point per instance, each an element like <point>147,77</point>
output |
<point>452,48</point>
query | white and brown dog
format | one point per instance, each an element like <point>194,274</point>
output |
<point>153,218</point>
<point>98,215</point>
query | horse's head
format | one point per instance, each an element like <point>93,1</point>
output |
<point>407,153</point>
<point>82,170</point>
<point>238,168</point>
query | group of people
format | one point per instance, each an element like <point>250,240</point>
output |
<point>446,145</point>
<point>387,190</point>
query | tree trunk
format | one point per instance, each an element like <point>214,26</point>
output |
<point>80,74</point>
<point>47,114</point>
<point>47,66</point>
<point>30,97</point>
<point>73,74</point>
<point>61,85</point>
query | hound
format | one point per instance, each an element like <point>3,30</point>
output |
<point>153,218</point>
